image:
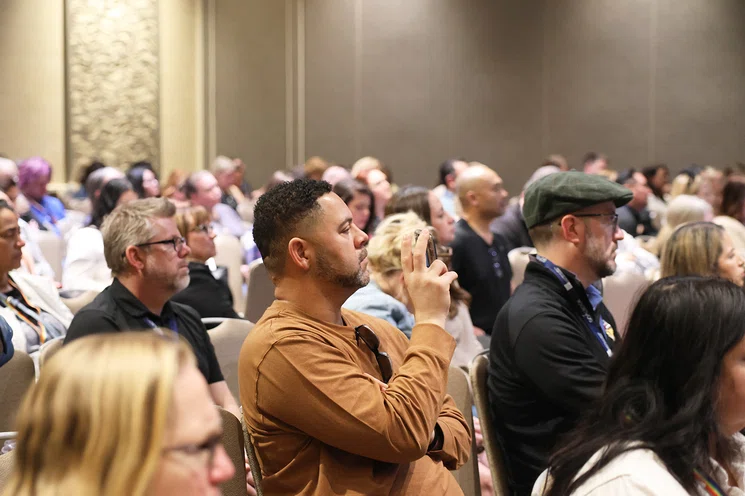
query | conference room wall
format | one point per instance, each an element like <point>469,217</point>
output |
<point>498,81</point>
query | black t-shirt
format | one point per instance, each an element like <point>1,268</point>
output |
<point>484,271</point>
<point>209,296</point>
<point>117,309</point>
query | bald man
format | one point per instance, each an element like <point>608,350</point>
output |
<point>480,255</point>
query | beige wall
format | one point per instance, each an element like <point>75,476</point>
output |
<point>182,72</point>
<point>32,97</point>
<point>247,82</point>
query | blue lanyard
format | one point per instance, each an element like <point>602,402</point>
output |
<point>595,326</point>
<point>171,323</point>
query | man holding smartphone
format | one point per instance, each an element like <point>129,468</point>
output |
<point>339,402</point>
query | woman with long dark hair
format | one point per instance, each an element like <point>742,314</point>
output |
<point>360,201</point>
<point>144,181</point>
<point>674,402</point>
<point>85,265</point>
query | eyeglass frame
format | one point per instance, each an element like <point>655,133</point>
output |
<point>203,228</point>
<point>177,240</point>
<point>613,218</point>
<point>210,446</point>
<point>384,360</point>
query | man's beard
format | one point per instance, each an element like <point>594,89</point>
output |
<point>597,258</point>
<point>326,270</point>
<point>172,282</point>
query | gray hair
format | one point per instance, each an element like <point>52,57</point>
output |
<point>129,225</point>
<point>222,164</point>
<point>98,178</point>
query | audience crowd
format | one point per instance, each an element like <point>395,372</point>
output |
<point>379,289</point>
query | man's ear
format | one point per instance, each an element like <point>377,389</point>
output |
<point>299,253</point>
<point>471,198</point>
<point>572,229</point>
<point>134,258</point>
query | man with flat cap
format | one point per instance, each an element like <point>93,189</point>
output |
<point>553,339</point>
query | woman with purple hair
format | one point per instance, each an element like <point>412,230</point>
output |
<point>33,176</point>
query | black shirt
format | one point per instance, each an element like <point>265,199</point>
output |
<point>546,366</point>
<point>484,271</point>
<point>209,296</point>
<point>117,309</point>
<point>229,200</point>
<point>636,223</point>
<point>511,226</point>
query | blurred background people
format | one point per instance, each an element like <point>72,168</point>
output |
<point>360,201</point>
<point>210,296</point>
<point>85,267</point>
<point>47,211</point>
<point>702,249</point>
<point>144,181</point>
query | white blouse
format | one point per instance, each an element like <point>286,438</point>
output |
<point>642,472</point>
<point>85,265</point>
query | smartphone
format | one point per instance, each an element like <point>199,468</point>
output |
<point>431,253</point>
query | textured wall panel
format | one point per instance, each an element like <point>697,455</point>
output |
<point>113,81</point>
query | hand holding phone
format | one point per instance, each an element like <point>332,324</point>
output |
<point>431,253</point>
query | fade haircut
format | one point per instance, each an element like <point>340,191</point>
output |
<point>278,214</point>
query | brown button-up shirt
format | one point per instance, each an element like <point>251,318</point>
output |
<point>321,427</point>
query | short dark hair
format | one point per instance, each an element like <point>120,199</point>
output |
<point>447,168</point>
<point>591,157</point>
<point>625,177</point>
<point>651,397</point>
<point>411,199</point>
<point>277,215</point>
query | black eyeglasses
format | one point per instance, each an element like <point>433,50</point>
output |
<point>177,243</point>
<point>613,218</point>
<point>371,340</point>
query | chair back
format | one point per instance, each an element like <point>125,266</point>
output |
<point>620,293</point>
<point>253,461</point>
<point>16,377</point>
<point>229,253</point>
<point>232,441</point>
<point>478,374</point>
<point>519,258</point>
<point>227,338</point>
<point>77,302</point>
<point>458,388</point>
<point>53,248</point>
<point>6,468</point>
<point>48,349</point>
<point>260,295</point>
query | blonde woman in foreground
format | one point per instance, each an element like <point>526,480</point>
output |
<point>124,414</point>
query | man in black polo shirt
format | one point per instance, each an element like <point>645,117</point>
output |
<point>552,341</point>
<point>479,255</point>
<point>147,257</point>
